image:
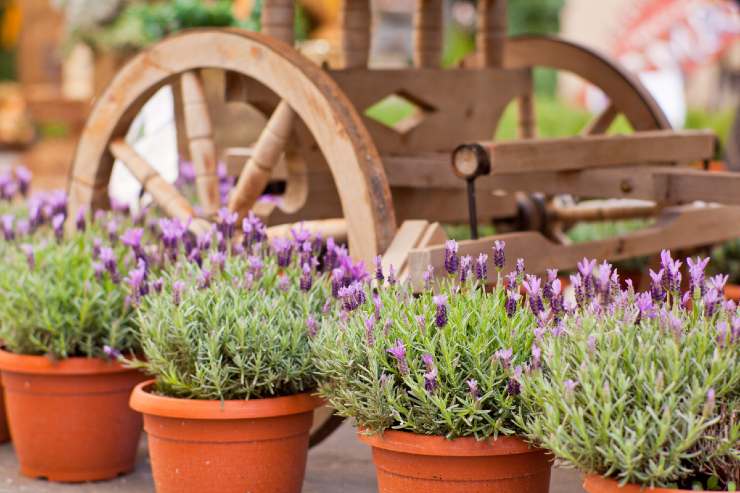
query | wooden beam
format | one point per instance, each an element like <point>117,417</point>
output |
<point>677,228</point>
<point>598,151</point>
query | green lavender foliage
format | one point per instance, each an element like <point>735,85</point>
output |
<point>639,407</point>
<point>59,308</point>
<point>230,341</point>
<point>362,380</point>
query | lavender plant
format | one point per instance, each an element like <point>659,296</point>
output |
<point>643,387</point>
<point>63,297</point>
<point>449,361</point>
<point>233,320</point>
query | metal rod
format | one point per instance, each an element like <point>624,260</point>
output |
<point>472,208</point>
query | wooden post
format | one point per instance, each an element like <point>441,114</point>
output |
<point>428,33</point>
<point>491,36</point>
<point>200,139</point>
<point>278,17</point>
<point>267,152</point>
<point>355,21</point>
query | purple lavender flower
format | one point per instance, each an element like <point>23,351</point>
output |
<point>369,329</point>
<point>710,402</point>
<point>481,267</point>
<point>111,352</point>
<point>80,222</point>
<point>421,322</point>
<point>57,223</point>
<point>306,280</point>
<point>532,287</point>
<point>428,276</point>
<point>451,260</point>
<point>513,387</point>
<point>379,269</point>
<point>7,225</point>
<point>440,318</point>
<point>204,279</point>
<point>226,221</point>
<point>428,361</point>
<point>430,380</point>
<point>337,281</point>
<point>473,388</point>
<point>465,264</point>
<point>119,206</point>
<point>98,269</point>
<point>195,257</point>
<point>711,302</point>
<point>696,274</point>
<point>586,267</point>
<point>132,238</point>
<point>23,227</point>
<point>312,326</point>
<point>577,282</point>
<point>391,275</point>
<point>398,352</point>
<point>23,176</point>
<point>378,304</point>
<point>591,343</point>
<point>136,282</point>
<point>157,285</point>
<point>30,257</point>
<point>519,267</point>
<point>604,281</point>
<point>645,306</point>
<point>718,282</point>
<point>255,265</point>
<point>504,356</point>
<point>352,296</point>
<point>5,181</point>
<point>172,232</point>
<point>499,258</point>
<point>657,290</point>
<point>283,250</point>
<point>108,258</point>
<point>536,356</point>
<point>512,299</point>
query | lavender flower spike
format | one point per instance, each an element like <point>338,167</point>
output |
<point>7,225</point>
<point>440,301</point>
<point>481,267</point>
<point>306,280</point>
<point>465,263</point>
<point>499,258</point>
<point>430,380</point>
<point>379,269</point>
<point>451,260</point>
<point>30,258</point>
<point>57,223</point>
<point>473,388</point>
<point>312,326</point>
<point>399,354</point>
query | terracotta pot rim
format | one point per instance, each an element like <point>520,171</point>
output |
<point>596,482</point>
<point>437,445</point>
<point>145,402</point>
<point>43,365</point>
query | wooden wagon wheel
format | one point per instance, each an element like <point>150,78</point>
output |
<point>305,92</point>
<point>626,94</point>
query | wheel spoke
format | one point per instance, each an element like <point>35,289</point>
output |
<point>164,193</point>
<point>527,118</point>
<point>602,122</point>
<point>200,141</point>
<point>267,153</point>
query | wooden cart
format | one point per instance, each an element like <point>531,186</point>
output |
<point>351,176</point>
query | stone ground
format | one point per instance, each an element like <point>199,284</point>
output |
<point>341,464</point>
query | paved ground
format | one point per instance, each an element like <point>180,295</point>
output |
<point>339,465</point>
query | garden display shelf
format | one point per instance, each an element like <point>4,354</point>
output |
<point>385,189</point>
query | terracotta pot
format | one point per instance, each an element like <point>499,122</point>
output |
<point>4,431</point>
<point>407,462</point>
<point>598,484</point>
<point>257,445</point>
<point>732,292</point>
<point>69,419</point>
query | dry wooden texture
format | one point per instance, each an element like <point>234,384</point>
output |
<point>412,234</point>
<point>602,211</point>
<point>526,117</point>
<point>622,88</point>
<point>602,122</point>
<point>680,227</point>
<point>491,37</point>
<point>200,141</point>
<point>428,33</point>
<point>267,153</point>
<point>277,19</point>
<point>476,110</point>
<point>327,228</point>
<point>355,25</point>
<point>164,193</point>
<point>599,151</point>
<point>328,116</point>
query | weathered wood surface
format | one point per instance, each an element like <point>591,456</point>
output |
<point>411,235</point>
<point>491,37</point>
<point>355,27</point>
<point>278,18</point>
<point>680,227</point>
<point>428,31</point>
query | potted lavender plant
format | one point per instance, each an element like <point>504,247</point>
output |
<point>231,404</point>
<point>432,379</point>
<point>642,390</point>
<point>63,313</point>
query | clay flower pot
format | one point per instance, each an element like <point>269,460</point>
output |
<point>406,462</point>
<point>732,292</point>
<point>257,445</point>
<point>598,484</point>
<point>69,419</point>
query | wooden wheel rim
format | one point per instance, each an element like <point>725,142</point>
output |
<point>353,159</point>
